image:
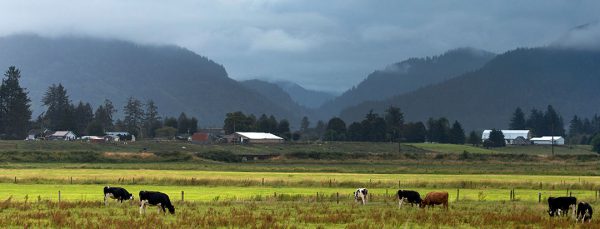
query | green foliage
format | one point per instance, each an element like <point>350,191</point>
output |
<point>336,130</point>
<point>517,122</point>
<point>474,138</point>
<point>134,117</point>
<point>438,130</point>
<point>596,143</point>
<point>59,114</point>
<point>456,134</point>
<point>166,132</point>
<point>414,132</point>
<point>15,111</point>
<point>224,156</point>
<point>496,139</point>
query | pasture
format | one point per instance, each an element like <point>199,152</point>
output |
<point>295,186</point>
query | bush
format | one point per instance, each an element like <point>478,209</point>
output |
<point>224,156</point>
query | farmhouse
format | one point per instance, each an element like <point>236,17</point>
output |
<point>121,136</point>
<point>256,138</point>
<point>512,137</point>
<point>548,140</point>
<point>62,135</point>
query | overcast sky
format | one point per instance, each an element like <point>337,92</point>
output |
<point>320,44</point>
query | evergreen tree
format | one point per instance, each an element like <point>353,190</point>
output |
<point>575,126</point>
<point>496,139</point>
<point>438,130</point>
<point>104,115</point>
<point>320,129</point>
<point>456,134</point>
<point>84,115</point>
<point>553,122</point>
<point>304,124</point>
<point>262,124</point>
<point>183,127</point>
<point>134,117</point>
<point>355,132</point>
<point>414,132</point>
<point>596,143</point>
<point>517,122</point>
<point>193,125</point>
<point>238,122</point>
<point>15,111</point>
<point>283,129</point>
<point>474,138</point>
<point>171,122</point>
<point>59,113</point>
<point>151,119</point>
<point>373,127</point>
<point>394,119</point>
<point>336,130</point>
<point>536,123</point>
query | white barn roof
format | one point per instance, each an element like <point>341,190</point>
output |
<point>547,138</point>
<point>508,134</point>
<point>259,135</point>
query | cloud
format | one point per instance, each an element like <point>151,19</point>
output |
<point>328,45</point>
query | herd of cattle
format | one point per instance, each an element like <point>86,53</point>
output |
<point>557,206</point>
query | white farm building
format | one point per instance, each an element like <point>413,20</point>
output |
<point>547,140</point>
<point>257,137</point>
<point>512,137</point>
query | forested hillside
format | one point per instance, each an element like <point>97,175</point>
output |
<point>567,79</point>
<point>92,70</point>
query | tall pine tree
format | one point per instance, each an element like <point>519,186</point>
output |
<point>517,122</point>
<point>15,110</point>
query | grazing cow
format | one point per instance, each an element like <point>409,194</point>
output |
<point>558,205</point>
<point>117,193</point>
<point>584,212</point>
<point>361,195</point>
<point>410,196</point>
<point>435,198</point>
<point>155,198</point>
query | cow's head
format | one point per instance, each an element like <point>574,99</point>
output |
<point>422,204</point>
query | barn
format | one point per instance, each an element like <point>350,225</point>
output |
<point>547,140</point>
<point>512,137</point>
<point>257,138</point>
<point>62,135</point>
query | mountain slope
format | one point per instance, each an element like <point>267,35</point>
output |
<point>276,95</point>
<point>177,79</point>
<point>305,97</point>
<point>409,75</point>
<point>567,79</point>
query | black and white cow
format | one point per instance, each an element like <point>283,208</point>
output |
<point>156,199</point>
<point>584,212</point>
<point>361,195</point>
<point>117,193</point>
<point>560,205</point>
<point>409,196</point>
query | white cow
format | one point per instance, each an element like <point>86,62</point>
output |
<point>361,195</point>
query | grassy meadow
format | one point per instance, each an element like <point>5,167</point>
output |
<point>298,185</point>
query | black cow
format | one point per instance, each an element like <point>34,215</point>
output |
<point>410,196</point>
<point>584,212</point>
<point>117,193</point>
<point>560,205</point>
<point>155,198</point>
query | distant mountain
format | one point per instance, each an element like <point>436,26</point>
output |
<point>177,79</point>
<point>567,79</point>
<point>277,95</point>
<point>409,75</point>
<point>303,96</point>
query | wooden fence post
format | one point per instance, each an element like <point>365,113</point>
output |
<point>71,180</point>
<point>539,197</point>
<point>398,184</point>
<point>15,180</point>
<point>337,197</point>
<point>457,194</point>
<point>58,196</point>
<point>182,199</point>
<point>510,197</point>
<point>263,181</point>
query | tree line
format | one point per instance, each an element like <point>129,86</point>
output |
<point>141,119</point>
<point>548,123</point>
<point>240,122</point>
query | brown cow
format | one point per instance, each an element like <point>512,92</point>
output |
<point>435,198</point>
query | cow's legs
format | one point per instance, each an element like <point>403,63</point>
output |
<point>142,206</point>
<point>400,201</point>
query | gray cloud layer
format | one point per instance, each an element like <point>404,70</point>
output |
<point>328,45</point>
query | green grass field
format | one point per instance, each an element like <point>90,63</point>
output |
<point>302,186</point>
